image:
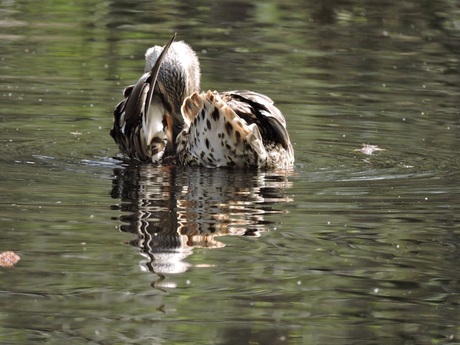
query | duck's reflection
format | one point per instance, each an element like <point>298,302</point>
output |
<point>173,210</point>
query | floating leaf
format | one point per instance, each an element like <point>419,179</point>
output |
<point>369,149</point>
<point>8,259</point>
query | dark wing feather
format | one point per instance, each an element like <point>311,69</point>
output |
<point>259,109</point>
<point>128,113</point>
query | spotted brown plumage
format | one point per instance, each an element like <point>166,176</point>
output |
<point>236,128</point>
<point>229,129</point>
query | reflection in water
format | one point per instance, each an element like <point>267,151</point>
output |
<point>173,210</point>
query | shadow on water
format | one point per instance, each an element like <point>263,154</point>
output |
<point>173,210</point>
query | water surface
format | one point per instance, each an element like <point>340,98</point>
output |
<point>347,248</point>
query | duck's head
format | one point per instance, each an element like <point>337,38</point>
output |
<point>178,77</point>
<point>148,120</point>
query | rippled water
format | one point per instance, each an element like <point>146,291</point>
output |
<point>347,248</point>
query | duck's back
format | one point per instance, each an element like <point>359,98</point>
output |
<point>236,128</point>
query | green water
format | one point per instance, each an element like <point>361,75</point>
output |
<point>349,248</point>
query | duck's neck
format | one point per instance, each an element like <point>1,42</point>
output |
<point>178,78</point>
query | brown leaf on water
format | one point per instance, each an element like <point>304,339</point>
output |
<point>369,149</point>
<point>8,259</point>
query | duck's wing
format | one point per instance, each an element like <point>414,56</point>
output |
<point>233,129</point>
<point>138,126</point>
<point>259,109</point>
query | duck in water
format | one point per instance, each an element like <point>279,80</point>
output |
<point>165,119</point>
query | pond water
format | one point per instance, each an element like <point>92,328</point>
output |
<point>349,247</point>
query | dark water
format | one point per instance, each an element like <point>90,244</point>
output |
<point>348,248</point>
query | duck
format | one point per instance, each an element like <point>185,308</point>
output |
<point>164,118</point>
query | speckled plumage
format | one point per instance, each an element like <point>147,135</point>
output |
<point>229,129</point>
<point>235,129</point>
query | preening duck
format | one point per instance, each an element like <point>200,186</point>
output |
<point>165,119</point>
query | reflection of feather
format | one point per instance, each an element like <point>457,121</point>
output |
<point>172,210</point>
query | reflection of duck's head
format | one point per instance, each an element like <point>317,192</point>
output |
<point>163,115</point>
